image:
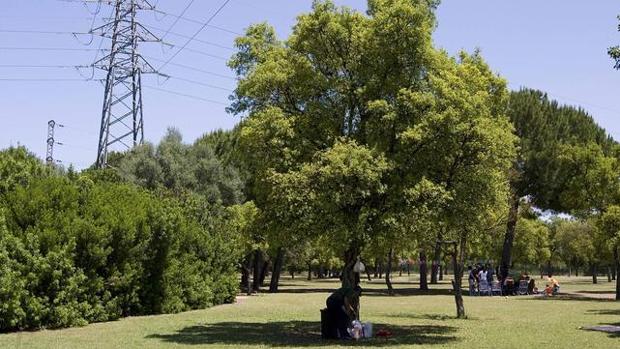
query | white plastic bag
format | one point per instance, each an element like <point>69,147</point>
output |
<point>367,326</point>
<point>359,267</point>
<point>356,331</point>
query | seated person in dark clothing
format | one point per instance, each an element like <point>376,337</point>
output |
<point>531,286</point>
<point>509,285</point>
<point>342,309</point>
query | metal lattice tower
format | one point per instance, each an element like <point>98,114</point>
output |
<point>122,121</point>
<point>49,156</point>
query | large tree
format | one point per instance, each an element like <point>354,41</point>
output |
<point>558,144</point>
<point>357,137</point>
<point>203,167</point>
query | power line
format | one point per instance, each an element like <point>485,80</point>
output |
<point>40,32</point>
<point>197,32</point>
<point>202,84</point>
<point>177,19</point>
<point>41,80</point>
<point>193,68</point>
<point>198,22</point>
<point>197,40</point>
<point>36,19</point>
<point>44,66</point>
<point>49,49</point>
<point>185,95</point>
<point>200,53</point>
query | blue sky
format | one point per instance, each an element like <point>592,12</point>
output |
<point>554,45</point>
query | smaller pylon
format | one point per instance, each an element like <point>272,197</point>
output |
<point>49,157</point>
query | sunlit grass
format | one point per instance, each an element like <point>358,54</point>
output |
<point>290,319</point>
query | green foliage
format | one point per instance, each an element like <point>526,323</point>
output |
<point>609,224</point>
<point>362,139</point>
<point>532,243</point>
<point>179,167</point>
<point>590,178</point>
<point>18,167</point>
<point>82,250</point>
<point>559,144</point>
<point>334,194</point>
<point>575,242</point>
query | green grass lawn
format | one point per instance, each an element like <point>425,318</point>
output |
<point>290,319</point>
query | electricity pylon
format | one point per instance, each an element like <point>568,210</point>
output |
<point>49,156</point>
<point>122,121</point>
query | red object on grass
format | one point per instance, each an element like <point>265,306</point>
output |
<point>383,333</point>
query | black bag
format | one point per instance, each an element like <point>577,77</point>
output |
<point>328,327</point>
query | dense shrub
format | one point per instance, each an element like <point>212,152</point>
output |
<point>80,249</point>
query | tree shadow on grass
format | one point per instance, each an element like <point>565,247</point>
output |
<point>299,333</point>
<point>610,334</point>
<point>568,297</point>
<point>436,317</point>
<point>372,292</point>
<point>605,312</point>
<point>614,312</point>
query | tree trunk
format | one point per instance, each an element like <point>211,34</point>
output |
<point>441,272</point>
<point>309,271</point>
<point>277,270</point>
<point>594,274</point>
<point>609,273</point>
<point>423,271</point>
<point>388,271</point>
<point>245,279</point>
<point>246,270</point>
<point>376,267</point>
<point>436,259</point>
<point>458,259</point>
<point>263,272</point>
<point>617,267</point>
<point>258,257</point>
<point>349,277</point>
<point>513,216</point>
<point>576,271</point>
<point>408,268</point>
<point>570,271</point>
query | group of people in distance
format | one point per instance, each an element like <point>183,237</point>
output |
<point>482,280</point>
<point>481,277</point>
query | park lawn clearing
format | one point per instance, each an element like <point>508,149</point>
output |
<point>290,319</point>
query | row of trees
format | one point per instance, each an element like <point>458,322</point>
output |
<point>355,141</point>
<point>354,145</point>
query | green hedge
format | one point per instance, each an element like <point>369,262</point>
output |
<point>75,251</point>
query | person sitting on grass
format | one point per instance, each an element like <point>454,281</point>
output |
<point>472,281</point>
<point>342,308</point>
<point>553,286</point>
<point>508,285</point>
<point>531,286</point>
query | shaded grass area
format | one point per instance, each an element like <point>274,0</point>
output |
<point>417,319</point>
<point>298,334</point>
